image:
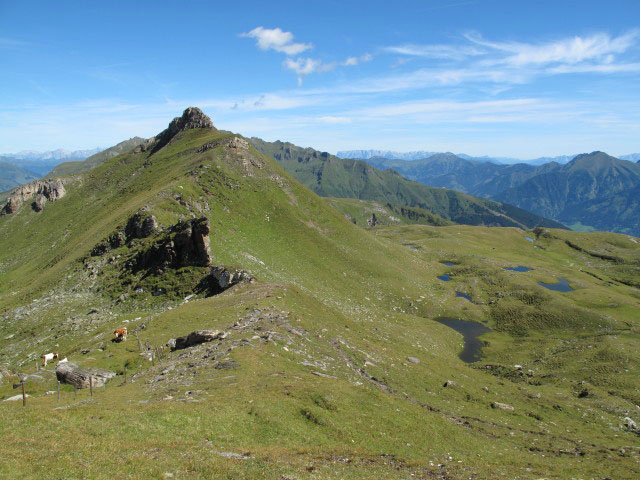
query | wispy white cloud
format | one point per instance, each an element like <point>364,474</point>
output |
<point>276,39</point>
<point>334,119</point>
<point>306,66</point>
<point>602,68</point>
<point>449,52</point>
<point>599,46</point>
<point>353,61</point>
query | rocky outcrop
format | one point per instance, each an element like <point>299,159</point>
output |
<point>41,191</point>
<point>192,117</point>
<point>80,377</point>
<point>226,278</point>
<point>113,241</point>
<point>195,338</point>
<point>185,244</point>
<point>140,226</point>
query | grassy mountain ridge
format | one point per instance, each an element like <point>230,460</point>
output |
<point>12,176</point>
<point>331,364</point>
<point>70,167</point>
<point>328,175</point>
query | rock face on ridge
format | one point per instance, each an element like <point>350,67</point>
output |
<point>42,191</point>
<point>192,117</point>
<point>185,244</point>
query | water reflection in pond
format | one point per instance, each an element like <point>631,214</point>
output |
<point>464,295</point>
<point>561,286</point>
<point>444,278</point>
<point>519,268</point>
<point>411,246</point>
<point>470,332</point>
<point>449,264</point>
<point>530,239</point>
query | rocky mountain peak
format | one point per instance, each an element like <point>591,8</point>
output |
<point>192,117</point>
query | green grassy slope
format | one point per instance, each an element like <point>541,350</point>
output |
<point>361,213</point>
<point>12,176</point>
<point>71,167</point>
<point>313,379</point>
<point>331,176</point>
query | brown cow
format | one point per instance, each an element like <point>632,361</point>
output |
<point>120,333</point>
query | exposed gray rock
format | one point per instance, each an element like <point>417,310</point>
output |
<point>502,406</point>
<point>78,377</point>
<point>113,241</point>
<point>630,425</point>
<point>413,360</point>
<point>192,117</point>
<point>40,190</point>
<point>450,383</point>
<point>372,221</point>
<point>15,398</point>
<point>140,226</point>
<point>185,244</point>
<point>195,338</point>
<point>228,277</point>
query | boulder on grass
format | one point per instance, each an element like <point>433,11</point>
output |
<point>79,377</point>
<point>195,338</point>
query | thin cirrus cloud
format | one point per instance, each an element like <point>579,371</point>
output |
<point>519,62</point>
<point>449,52</point>
<point>597,47</point>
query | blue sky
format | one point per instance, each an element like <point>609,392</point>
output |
<point>483,77</point>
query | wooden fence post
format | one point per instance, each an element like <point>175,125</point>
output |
<point>24,396</point>
<point>58,391</point>
<point>75,393</point>
<point>91,385</point>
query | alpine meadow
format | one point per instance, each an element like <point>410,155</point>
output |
<point>211,298</point>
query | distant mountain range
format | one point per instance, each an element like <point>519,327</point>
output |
<point>59,154</point>
<point>592,191</point>
<point>38,164</point>
<point>421,154</point>
<point>330,176</point>
<point>69,167</point>
<point>23,167</point>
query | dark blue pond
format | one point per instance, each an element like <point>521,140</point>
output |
<point>411,246</point>
<point>519,268</point>
<point>470,332</point>
<point>449,264</point>
<point>530,239</point>
<point>445,277</point>
<point>561,286</point>
<point>464,295</point>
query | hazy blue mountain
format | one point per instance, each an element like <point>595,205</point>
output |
<point>59,154</point>
<point>367,154</point>
<point>593,189</point>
